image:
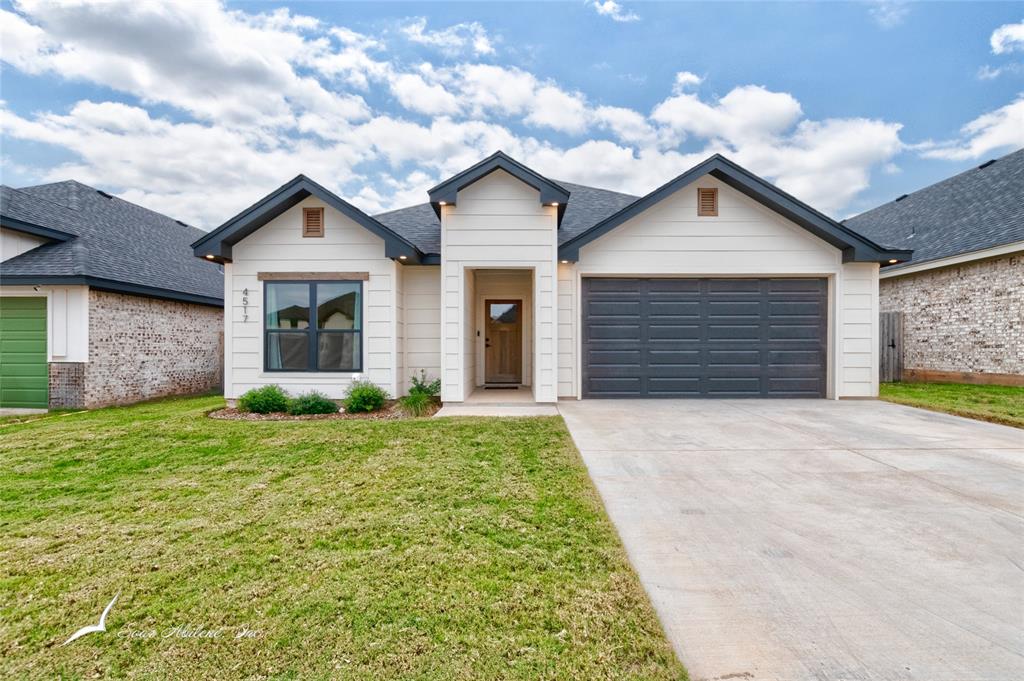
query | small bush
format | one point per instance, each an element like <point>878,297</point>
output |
<point>416,404</point>
<point>312,403</point>
<point>265,400</point>
<point>421,387</point>
<point>364,396</point>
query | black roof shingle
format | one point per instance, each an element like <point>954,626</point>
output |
<point>112,241</point>
<point>978,209</point>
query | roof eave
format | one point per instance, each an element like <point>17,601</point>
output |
<point>109,285</point>
<point>854,247</point>
<point>33,229</point>
<point>217,244</point>
<point>551,193</point>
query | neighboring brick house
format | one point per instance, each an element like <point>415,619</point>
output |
<point>962,293</point>
<point>102,302</point>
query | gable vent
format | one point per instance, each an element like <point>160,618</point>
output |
<point>707,202</point>
<point>312,222</point>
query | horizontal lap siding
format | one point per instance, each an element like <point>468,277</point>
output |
<point>279,246</point>
<point>422,312</point>
<point>497,222</point>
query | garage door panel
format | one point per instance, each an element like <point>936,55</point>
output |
<point>24,374</point>
<point>612,332</point>
<point>707,337</point>
<point>614,308</point>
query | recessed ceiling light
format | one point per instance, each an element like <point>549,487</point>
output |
<point>893,261</point>
<point>209,256</point>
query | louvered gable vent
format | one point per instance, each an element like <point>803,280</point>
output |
<point>707,202</point>
<point>312,222</point>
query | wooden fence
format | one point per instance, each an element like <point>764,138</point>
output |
<point>890,350</point>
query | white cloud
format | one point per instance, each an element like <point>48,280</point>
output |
<point>889,13</point>
<point>1008,38</point>
<point>416,94</point>
<point>987,72</point>
<point>1002,129</point>
<point>469,36</point>
<point>613,10</point>
<point>686,80</point>
<point>558,110</point>
<point>259,98</point>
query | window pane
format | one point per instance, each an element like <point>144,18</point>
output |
<point>504,313</point>
<point>287,306</point>
<point>338,351</point>
<point>288,351</point>
<point>338,305</point>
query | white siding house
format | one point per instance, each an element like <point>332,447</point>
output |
<point>503,281</point>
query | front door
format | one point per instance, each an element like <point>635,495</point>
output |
<point>503,346</point>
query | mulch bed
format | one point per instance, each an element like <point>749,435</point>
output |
<point>390,411</point>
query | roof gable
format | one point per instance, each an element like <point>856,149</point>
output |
<point>218,243</point>
<point>550,192</point>
<point>855,247</point>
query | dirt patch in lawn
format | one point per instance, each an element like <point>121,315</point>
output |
<point>391,410</point>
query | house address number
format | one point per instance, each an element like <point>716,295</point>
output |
<point>245,304</point>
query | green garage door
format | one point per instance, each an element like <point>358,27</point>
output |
<point>24,378</point>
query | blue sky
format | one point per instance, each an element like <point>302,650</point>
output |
<point>198,109</point>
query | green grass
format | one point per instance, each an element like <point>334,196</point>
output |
<point>996,403</point>
<point>426,548</point>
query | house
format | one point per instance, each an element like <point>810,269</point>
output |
<point>962,294</point>
<point>715,285</point>
<point>101,301</point>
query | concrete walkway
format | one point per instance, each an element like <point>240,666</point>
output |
<point>822,540</point>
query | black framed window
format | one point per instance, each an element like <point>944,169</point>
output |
<point>313,326</point>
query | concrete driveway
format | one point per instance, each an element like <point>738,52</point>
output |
<point>791,540</point>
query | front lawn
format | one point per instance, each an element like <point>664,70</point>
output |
<point>996,403</point>
<point>428,548</point>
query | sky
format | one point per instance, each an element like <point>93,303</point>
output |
<point>199,109</point>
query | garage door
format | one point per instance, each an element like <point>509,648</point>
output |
<point>23,370</point>
<point>704,337</point>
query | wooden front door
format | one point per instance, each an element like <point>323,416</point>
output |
<point>503,346</point>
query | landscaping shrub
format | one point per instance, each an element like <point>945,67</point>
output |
<point>312,403</point>
<point>364,396</point>
<point>265,400</point>
<point>416,404</point>
<point>421,387</point>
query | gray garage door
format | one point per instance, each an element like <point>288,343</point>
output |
<point>704,337</point>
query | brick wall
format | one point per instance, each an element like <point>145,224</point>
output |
<point>141,348</point>
<point>966,318</point>
<point>67,385</point>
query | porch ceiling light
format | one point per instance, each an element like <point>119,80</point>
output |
<point>893,261</point>
<point>209,256</point>
<point>565,262</point>
<point>402,257</point>
<point>554,203</point>
<point>442,203</point>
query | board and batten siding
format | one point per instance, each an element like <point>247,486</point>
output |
<point>279,246</point>
<point>745,239</point>
<point>14,243</point>
<point>498,222</point>
<point>67,319</point>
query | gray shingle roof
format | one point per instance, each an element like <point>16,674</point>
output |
<point>114,240</point>
<point>978,209</point>
<point>587,206</point>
